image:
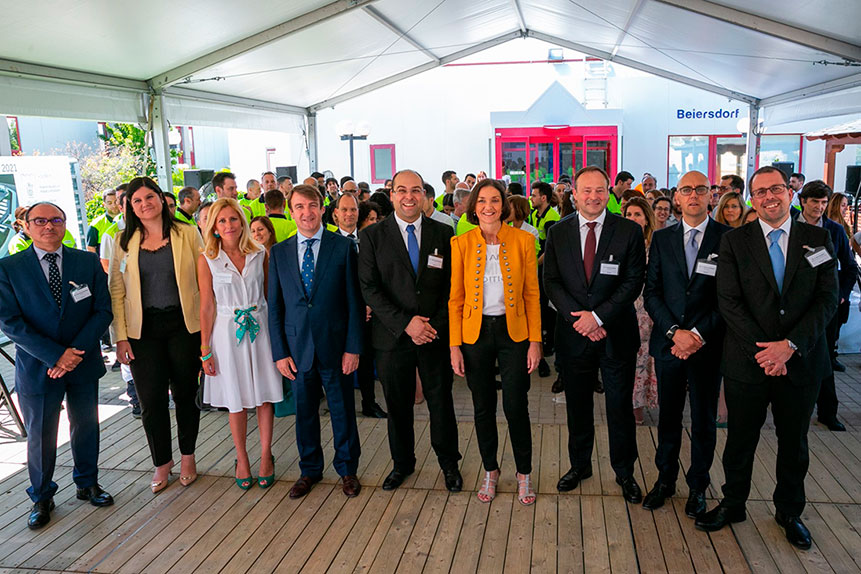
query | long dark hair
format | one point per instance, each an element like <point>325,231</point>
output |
<point>133,222</point>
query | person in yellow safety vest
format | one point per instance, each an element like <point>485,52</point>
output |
<point>22,241</point>
<point>543,211</point>
<point>188,201</point>
<point>284,227</point>
<point>253,200</point>
<point>460,197</point>
<point>102,222</point>
<point>224,184</point>
<point>624,180</point>
<point>449,180</point>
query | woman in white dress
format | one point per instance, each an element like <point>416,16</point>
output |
<point>234,333</point>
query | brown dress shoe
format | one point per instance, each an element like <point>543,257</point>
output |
<point>303,486</point>
<point>350,485</point>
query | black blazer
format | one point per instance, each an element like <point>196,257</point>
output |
<point>392,289</point>
<point>673,298</point>
<point>610,297</point>
<point>755,311</point>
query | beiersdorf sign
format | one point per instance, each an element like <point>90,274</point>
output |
<point>694,114</point>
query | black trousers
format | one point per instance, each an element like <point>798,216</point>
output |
<point>747,406</point>
<point>548,317</point>
<point>365,372</point>
<point>826,405</point>
<point>479,358</point>
<point>581,376</point>
<point>167,357</point>
<point>675,377</point>
<point>397,370</point>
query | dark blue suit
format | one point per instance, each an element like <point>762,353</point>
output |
<point>316,330</point>
<point>671,298</point>
<point>42,331</point>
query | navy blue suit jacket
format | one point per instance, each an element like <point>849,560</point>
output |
<point>328,322</point>
<point>41,331</point>
<point>673,298</point>
<point>848,270</point>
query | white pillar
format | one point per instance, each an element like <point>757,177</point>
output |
<point>312,142</point>
<point>5,146</point>
<point>752,142</point>
<point>161,143</point>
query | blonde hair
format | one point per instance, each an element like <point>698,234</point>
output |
<point>726,198</point>
<point>212,243</point>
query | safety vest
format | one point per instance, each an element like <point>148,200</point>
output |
<point>284,228</point>
<point>180,216</point>
<point>101,223</point>
<point>538,221</point>
<point>463,225</point>
<point>256,206</point>
<point>22,241</point>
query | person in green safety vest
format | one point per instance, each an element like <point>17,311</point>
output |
<point>542,211</point>
<point>253,200</point>
<point>284,227</point>
<point>102,222</point>
<point>189,201</point>
<point>623,183</point>
<point>449,180</point>
<point>459,198</point>
<point>22,241</point>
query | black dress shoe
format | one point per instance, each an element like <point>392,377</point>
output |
<point>833,424</point>
<point>453,480</point>
<point>572,478</point>
<point>630,489</point>
<point>558,385</point>
<point>718,517</point>
<point>696,504</point>
<point>95,495</point>
<point>41,514</point>
<point>543,368</point>
<point>658,495</point>
<point>374,412</point>
<point>838,366</point>
<point>395,479</point>
<point>796,532</point>
<point>599,387</point>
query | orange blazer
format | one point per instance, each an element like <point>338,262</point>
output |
<point>520,272</point>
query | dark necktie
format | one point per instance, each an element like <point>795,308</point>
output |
<point>589,250</point>
<point>55,282</point>
<point>413,247</point>
<point>308,265</point>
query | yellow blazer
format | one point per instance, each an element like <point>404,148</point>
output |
<point>125,282</point>
<point>519,268</point>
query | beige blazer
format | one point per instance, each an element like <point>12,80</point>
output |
<point>125,282</point>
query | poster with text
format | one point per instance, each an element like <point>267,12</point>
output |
<point>28,180</point>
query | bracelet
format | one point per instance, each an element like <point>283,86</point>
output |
<point>204,347</point>
<point>206,357</point>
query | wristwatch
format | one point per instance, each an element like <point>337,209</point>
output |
<point>672,331</point>
<point>792,345</point>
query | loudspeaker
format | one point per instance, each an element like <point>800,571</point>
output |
<point>197,178</point>
<point>289,171</point>
<point>787,167</point>
<point>853,179</point>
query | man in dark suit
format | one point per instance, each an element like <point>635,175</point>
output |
<point>777,291</point>
<point>687,339</point>
<point>593,272</point>
<point>55,305</point>
<point>814,198</point>
<point>315,325</point>
<point>405,272</point>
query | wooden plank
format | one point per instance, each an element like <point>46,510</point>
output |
<point>493,547</point>
<point>549,460</point>
<point>607,474</point>
<point>469,545</point>
<point>773,536</point>
<point>544,533</point>
<point>702,554</point>
<point>570,534</point>
<point>620,542</point>
<point>418,547</point>
<point>596,550</point>
<point>646,538</point>
<point>353,546</point>
<point>376,539</point>
<point>335,535</point>
<point>472,468</point>
<point>519,538</point>
<point>311,535</point>
<point>677,556</point>
<point>444,544</point>
<point>827,543</point>
<point>399,533</point>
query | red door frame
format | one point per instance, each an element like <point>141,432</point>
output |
<point>556,135</point>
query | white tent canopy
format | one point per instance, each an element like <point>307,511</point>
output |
<point>202,60</point>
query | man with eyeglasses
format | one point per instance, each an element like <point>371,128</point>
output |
<point>55,306</point>
<point>687,338</point>
<point>777,291</point>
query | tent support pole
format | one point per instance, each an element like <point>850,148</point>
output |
<point>752,140</point>
<point>312,141</point>
<point>161,143</point>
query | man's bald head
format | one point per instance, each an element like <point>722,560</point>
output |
<point>310,181</point>
<point>694,205</point>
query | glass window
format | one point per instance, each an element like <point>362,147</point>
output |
<point>780,148</point>
<point>731,155</point>
<point>514,161</point>
<point>382,162</point>
<point>687,153</point>
<point>598,154</point>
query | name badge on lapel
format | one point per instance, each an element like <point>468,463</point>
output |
<point>123,265</point>
<point>707,266</point>
<point>818,256</point>
<point>221,278</point>
<point>435,261</point>
<point>79,292</point>
<point>610,267</point>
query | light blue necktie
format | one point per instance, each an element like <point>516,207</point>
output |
<point>308,265</point>
<point>413,247</point>
<point>778,265</point>
<point>691,250</point>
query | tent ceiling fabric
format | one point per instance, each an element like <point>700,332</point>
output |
<point>361,46</point>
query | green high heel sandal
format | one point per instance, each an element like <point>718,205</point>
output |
<point>266,481</point>
<point>243,483</point>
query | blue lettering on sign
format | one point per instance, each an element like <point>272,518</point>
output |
<point>694,114</point>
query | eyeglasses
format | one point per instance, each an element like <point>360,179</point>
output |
<point>43,221</point>
<point>700,189</point>
<point>762,191</point>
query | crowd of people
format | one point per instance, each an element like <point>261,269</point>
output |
<point>294,294</point>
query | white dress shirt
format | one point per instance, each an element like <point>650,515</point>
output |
<point>40,253</point>
<point>584,231</point>
<point>784,237</point>
<point>402,225</point>
<point>301,247</point>
<point>354,235</point>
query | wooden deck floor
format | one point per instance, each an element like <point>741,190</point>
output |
<point>213,526</point>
